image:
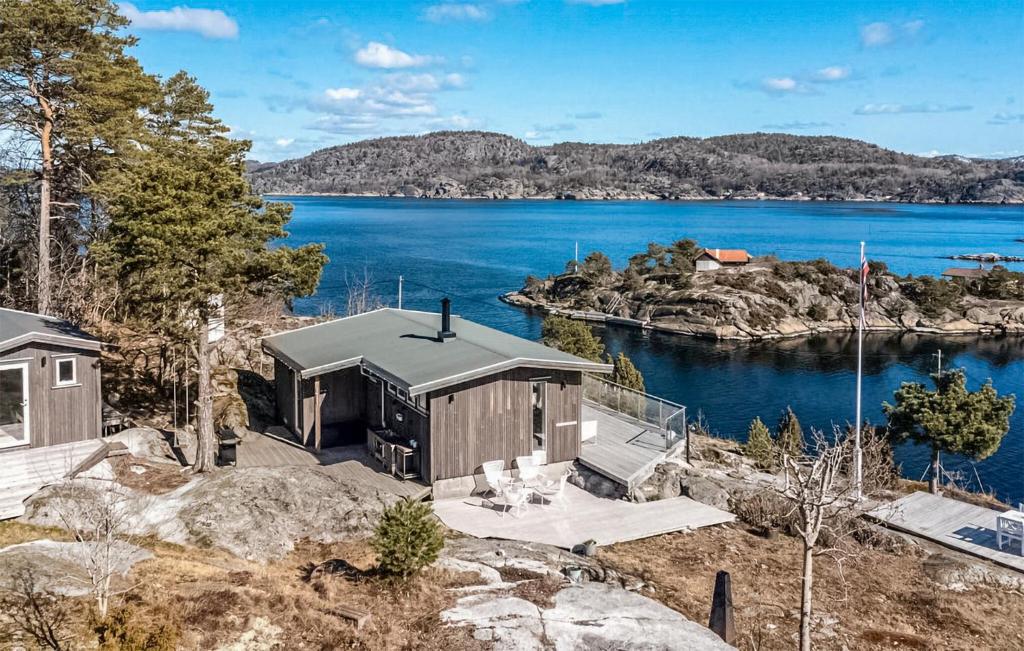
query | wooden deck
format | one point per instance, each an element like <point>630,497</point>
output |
<point>625,450</point>
<point>350,463</point>
<point>952,523</point>
<point>580,516</point>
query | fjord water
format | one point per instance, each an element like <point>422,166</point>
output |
<point>473,251</point>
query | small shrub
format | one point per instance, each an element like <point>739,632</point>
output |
<point>790,436</point>
<point>765,511</point>
<point>759,444</point>
<point>817,312</point>
<point>407,538</point>
<point>122,630</point>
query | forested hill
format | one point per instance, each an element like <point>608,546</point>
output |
<point>469,164</point>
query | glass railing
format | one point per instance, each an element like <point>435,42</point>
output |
<point>667,416</point>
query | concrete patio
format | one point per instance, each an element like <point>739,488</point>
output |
<point>581,516</point>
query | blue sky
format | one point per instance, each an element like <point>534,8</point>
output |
<point>920,77</point>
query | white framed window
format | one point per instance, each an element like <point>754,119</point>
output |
<point>65,371</point>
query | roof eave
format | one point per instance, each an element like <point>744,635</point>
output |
<point>459,378</point>
<point>47,338</point>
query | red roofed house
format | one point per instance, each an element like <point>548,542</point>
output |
<point>711,259</point>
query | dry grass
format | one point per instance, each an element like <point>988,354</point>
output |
<point>886,602</point>
<point>208,598</point>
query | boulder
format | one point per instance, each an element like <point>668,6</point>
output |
<point>145,443</point>
<point>61,567</point>
<point>705,491</point>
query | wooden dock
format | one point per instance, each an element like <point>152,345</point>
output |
<point>625,450</point>
<point>351,463</point>
<point>952,523</point>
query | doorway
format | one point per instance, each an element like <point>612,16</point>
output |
<point>539,402</point>
<point>14,414</point>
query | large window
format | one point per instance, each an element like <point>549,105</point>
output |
<point>13,405</point>
<point>64,371</point>
<point>539,400</point>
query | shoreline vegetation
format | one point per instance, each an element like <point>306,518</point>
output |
<point>752,166</point>
<point>660,290</point>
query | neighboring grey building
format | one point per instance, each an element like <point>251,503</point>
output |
<point>448,392</point>
<point>50,389</point>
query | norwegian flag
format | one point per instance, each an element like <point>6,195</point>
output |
<point>863,281</point>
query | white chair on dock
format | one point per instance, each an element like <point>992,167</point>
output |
<point>492,473</point>
<point>1010,526</point>
<point>554,490</point>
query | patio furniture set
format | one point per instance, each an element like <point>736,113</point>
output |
<point>1010,526</point>
<point>518,492</point>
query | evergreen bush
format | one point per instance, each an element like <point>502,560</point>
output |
<point>407,538</point>
<point>789,440</point>
<point>759,446</point>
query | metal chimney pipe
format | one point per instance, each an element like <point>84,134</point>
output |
<point>446,331</point>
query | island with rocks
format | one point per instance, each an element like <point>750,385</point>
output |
<point>764,298</point>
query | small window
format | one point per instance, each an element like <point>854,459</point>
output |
<point>65,369</point>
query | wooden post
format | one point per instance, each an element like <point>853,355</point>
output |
<point>721,609</point>
<point>316,413</point>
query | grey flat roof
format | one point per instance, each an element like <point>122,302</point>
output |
<point>402,346</point>
<point>18,328</point>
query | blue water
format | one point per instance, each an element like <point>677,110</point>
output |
<point>473,251</point>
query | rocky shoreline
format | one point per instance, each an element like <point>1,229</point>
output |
<point>769,299</point>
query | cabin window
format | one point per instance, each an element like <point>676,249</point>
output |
<point>65,371</point>
<point>539,400</point>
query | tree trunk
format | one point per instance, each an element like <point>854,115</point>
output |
<point>43,265</point>
<point>933,480</point>
<point>207,452</point>
<point>805,599</point>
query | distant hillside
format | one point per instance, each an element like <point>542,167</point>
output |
<point>473,164</point>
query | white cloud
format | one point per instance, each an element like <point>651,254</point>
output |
<point>779,84</point>
<point>897,109</point>
<point>832,73</point>
<point>452,11</point>
<point>453,122</point>
<point>882,33</point>
<point>379,55</point>
<point>211,23</point>
<point>425,82</point>
<point>342,94</point>
<point>284,142</point>
<point>796,125</point>
<point>546,131</point>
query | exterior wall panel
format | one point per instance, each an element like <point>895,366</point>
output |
<point>61,414</point>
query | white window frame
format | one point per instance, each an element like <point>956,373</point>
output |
<point>57,361</point>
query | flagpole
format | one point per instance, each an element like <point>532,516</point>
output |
<point>857,467</point>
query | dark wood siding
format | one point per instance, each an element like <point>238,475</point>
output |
<point>61,414</point>
<point>287,407</point>
<point>491,418</point>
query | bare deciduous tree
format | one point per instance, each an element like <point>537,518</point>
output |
<point>360,295</point>
<point>824,509</point>
<point>100,519</point>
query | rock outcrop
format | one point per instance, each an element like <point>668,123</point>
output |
<point>771,299</point>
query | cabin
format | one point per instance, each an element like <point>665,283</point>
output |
<point>50,391</point>
<point>711,259</point>
<point>438,394</point>
<point>965,273</point>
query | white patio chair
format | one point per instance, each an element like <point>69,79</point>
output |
<point>554,490</point>
<point>528,469</point>
<point>492,473</point>
<point>1009,528</point>
<point>516,496</point>
<point>540,457</point>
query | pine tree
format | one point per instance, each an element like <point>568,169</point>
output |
<point>624,373</point>
<point>186,229</point>
<point>789,438</point>
<point>950,418</point>
<point>571,336</point>
<point>759,445</point>
<point>68,87</point>
<point>407,538</point>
